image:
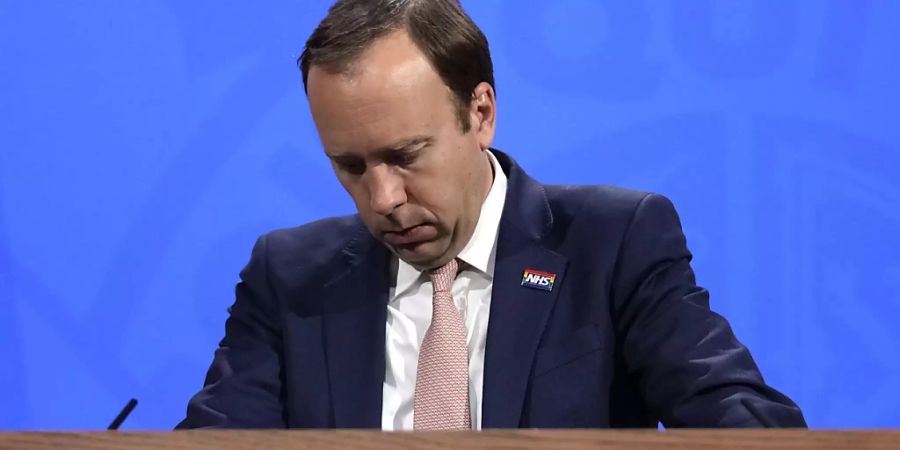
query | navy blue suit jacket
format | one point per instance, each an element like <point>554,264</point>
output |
<point>624,339</point>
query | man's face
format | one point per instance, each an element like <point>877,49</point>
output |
<point>391,131</point>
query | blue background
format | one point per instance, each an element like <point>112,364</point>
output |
<point>144,145</point>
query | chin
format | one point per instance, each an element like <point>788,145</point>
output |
<point>422,256</point>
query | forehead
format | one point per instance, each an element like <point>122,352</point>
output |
<point>390,92</point>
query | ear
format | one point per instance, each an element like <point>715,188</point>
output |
<point>483,114</point>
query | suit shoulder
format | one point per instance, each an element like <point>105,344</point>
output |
<point>314,243</point>
<point>585,207</point>
<point>610,202</point>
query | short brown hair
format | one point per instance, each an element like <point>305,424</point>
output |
<point>447,36</point>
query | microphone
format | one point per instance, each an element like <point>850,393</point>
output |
<point>122,415</point>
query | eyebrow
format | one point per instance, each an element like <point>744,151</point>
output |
<point>399,146</point>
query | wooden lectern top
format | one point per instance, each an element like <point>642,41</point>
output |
<point>491,439</point>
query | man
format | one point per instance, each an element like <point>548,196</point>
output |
<point>464,294</point>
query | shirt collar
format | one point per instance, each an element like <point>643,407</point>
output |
<point>480,252</point>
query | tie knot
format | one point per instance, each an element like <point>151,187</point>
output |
<point>442,277</point>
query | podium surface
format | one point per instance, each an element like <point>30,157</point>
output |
<point>491,439</point>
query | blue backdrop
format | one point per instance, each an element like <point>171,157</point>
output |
<point>144,145</point>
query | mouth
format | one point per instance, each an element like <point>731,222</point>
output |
<point>411,236</point>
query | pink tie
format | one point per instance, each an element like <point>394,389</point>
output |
<point>442,379</point>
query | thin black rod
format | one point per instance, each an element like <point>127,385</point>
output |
<point>122,415</point>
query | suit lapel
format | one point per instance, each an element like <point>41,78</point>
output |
<point>354,324</point>
<point>518,313</point>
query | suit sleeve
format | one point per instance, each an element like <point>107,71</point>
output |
<point>690,367</point>
<point>243,387</point>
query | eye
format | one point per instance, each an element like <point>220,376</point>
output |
<point>352,167</point>
<point>403,159</point>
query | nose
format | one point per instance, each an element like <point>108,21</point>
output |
<point>386,190</point>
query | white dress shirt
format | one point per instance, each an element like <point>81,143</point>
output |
<point>409,315</point>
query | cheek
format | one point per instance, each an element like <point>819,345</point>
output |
<point>438,196</point>
<point>443,185</point>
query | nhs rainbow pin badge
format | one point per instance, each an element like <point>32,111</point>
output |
<point>536,279</point>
